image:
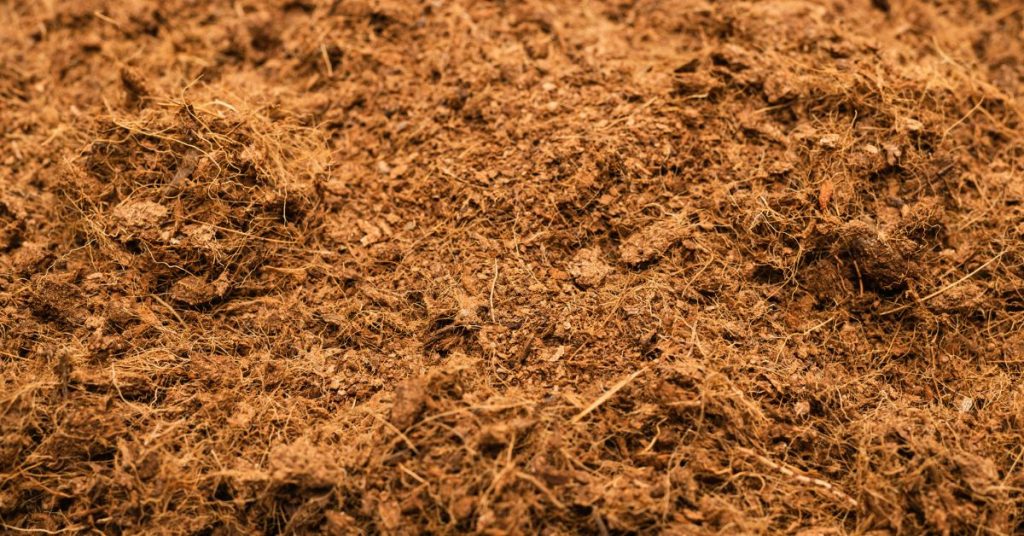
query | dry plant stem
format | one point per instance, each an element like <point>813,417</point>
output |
<point>607,395</point>
<point>788,472</point>
<point>948,287</point>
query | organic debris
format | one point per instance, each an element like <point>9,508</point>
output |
<point>369,266</point>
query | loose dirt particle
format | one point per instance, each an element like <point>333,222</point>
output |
<point>588,269</point>
<point>653,241</point>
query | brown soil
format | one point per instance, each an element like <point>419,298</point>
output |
<point>510,267</point>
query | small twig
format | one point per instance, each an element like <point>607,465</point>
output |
<point>107,19</point>
<point>803,479</point>
<point>540,485</point>
<point>413,474</point>
<point>607,395</point>
<point>815,328</point>
<point>169,308</point>
<point>73,528</point>
<point>327,59</point>
<point>494,283</point>
<point>947,287</point>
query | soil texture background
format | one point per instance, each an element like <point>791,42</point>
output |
<point>512,267</point>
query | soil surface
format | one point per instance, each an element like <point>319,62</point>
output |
<point>512,267</point>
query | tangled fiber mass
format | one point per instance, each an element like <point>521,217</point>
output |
<point>512,267</point>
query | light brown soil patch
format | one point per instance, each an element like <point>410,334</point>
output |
<point>511,267</point>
